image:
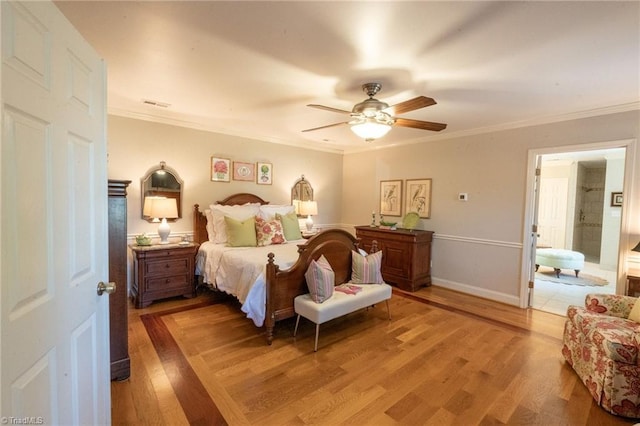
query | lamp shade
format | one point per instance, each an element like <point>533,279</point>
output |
<point>636,248</point>
<point>308,208</point>
<point>163,208</point>
<point>146,208</point>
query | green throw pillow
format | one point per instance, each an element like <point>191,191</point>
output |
<point>241,233</point>
<point>290,226</point>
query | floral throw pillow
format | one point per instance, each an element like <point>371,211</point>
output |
<point>320,280</point>
<point>366,269</point>
<point>269,232</point>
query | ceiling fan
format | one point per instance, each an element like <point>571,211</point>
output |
<point>371,119</point>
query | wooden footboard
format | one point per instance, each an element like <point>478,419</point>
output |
<point>284,285</point>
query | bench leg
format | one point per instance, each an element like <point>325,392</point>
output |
<point>315,348</point>
<point>388,311</point>
<point>577,272</point>
<point>557,271</point>
<point>296,329</point>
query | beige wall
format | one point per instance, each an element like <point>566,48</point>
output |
<point>134,146</point>
<point>478,243</point>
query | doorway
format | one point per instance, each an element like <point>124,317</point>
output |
<point>571,205</point>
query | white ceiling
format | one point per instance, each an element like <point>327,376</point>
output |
<point>250,68</point>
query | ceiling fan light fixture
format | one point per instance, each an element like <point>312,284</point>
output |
<point>370,129</point>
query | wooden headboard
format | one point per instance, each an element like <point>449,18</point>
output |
<point>200,234</point>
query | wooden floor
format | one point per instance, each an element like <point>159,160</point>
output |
<point>444,358</point>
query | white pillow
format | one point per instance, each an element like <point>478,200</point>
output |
<point>240,213</point>
<point>268,212</point>
<point>210,231</point>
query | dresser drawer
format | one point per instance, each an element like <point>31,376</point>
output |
<point>167,283</point>
<point>169,266</point>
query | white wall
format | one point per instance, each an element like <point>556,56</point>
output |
<point>135,146</point>
<point>478,244</point>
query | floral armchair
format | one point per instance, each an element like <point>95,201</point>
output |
<point>603,346</point>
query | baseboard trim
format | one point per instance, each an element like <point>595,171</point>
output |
<point>477,291</point>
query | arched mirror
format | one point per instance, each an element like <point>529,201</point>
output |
<point>301,191</point>
<point>161,181</point>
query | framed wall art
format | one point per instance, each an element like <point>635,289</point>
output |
<point>616,199</point>
<point>264,175</point>
<point>220,169</point>
<point>418,197</point>
<point>391,197</point>
<point>244,171</point>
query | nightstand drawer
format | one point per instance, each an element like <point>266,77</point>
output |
<point>167,267</point>
<point>165,283</point>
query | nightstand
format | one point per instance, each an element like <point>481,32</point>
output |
<point>161,271</point>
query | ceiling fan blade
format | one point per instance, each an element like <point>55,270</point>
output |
<point>417,124</point>
<point>328,125</point>
<point>410,105</point>
<point>326,108</point>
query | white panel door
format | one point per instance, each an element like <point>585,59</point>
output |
<point>552,214</point>
<point>54,347</point>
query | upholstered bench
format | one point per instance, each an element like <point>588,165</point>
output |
<point>339,304</point>
<point>560,259</point>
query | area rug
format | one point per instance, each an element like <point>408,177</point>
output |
<point>571,279</point>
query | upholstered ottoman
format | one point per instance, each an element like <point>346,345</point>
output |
<point>560,259</point>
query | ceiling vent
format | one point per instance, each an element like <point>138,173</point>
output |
<point>156,103</point>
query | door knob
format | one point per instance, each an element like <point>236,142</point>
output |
<point>108,288</point>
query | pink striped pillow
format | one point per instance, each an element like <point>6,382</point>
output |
<point>320,280</point>
<point>366,269</point>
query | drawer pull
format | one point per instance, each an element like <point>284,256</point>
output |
<point>167,266</point>
<point>167,281</point>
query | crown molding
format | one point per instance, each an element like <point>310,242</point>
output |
<point>536,121</point>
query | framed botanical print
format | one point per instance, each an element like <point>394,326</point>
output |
<point>418,197</point>
<point>391,197</point>
<point>244,171</point>
<point>264,175</point>
<point>220,169</point>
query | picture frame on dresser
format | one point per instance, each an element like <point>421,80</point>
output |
<point>418,197</point>
<point>391,197</point>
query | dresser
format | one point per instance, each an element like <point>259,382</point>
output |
<point>161,271</point>
<point>118,323</point>
<point>406,255</point>
<point>633,279</point>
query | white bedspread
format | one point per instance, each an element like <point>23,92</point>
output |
<point>240,271</point>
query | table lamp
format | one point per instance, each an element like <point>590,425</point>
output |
<point>163,208</point>
<point>308,208</point>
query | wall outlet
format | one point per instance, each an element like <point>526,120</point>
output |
<point>463,196</point>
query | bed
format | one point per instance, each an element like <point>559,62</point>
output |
<point>271,284</point>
